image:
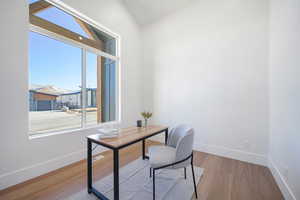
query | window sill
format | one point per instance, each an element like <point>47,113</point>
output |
<point>73,131</point>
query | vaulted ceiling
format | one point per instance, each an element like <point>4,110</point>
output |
<point>149,11</point>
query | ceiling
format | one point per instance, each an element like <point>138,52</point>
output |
<point>149,11</point>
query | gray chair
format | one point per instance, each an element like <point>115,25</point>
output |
<point>178,153</point>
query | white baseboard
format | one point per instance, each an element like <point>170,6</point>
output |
<point>233,154</point>
<point>282,184</point>
<point>226,152</point>
<point>27,173</point>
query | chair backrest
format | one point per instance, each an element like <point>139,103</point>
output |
<point>182,138</point>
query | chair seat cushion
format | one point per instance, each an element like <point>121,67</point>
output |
<point>161,155</point>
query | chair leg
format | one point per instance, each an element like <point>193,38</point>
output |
<point>153,170</point>
<point>150,172</point>
<point>195,186</point>
<point>185,173</point>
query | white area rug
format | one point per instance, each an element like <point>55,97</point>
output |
<point>135,183</point>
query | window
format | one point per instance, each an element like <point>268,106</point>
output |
<point>73,71</point>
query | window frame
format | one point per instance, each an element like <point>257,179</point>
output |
<point>84,50</point>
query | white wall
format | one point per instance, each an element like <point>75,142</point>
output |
<point>207,65</point>
<point>20,157</point>
<point>285,95</point>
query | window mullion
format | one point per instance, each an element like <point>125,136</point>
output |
<point>83,88</point>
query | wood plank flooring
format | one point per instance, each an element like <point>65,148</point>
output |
<point>223,179</point>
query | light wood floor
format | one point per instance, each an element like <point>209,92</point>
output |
<point>223,179</point>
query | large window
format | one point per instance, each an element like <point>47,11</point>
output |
<point>73,71</point>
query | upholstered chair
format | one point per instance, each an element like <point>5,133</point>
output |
<point>178,153</point>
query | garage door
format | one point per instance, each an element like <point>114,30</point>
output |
<point>44,105</point>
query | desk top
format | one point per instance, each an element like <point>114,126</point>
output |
<point>127,136</point>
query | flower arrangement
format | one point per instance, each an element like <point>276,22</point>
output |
<point>146,116</point>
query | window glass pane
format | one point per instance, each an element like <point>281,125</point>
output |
<point>62,19</point>
<point>93,89</point>
<point>109,89</point>
<point>55,85</point>
<point>32,1</point>
<point>49,13</point>
<point>101,89</point>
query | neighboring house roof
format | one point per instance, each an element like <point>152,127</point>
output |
<point>78,91</point>
<point>52,90</point>
<point>71,93</point>
<point>48,89</point>
<point>35,86</point>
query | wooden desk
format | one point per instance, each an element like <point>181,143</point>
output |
<point>126,137</point>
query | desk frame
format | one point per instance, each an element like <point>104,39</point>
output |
<point>115,150</point>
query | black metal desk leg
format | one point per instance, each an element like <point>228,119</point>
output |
<point>89,166</point>
<point>143,147</point>
<point>116,174</point>
<point>166,136</point>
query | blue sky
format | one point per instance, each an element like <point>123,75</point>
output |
<point>56,63</point>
